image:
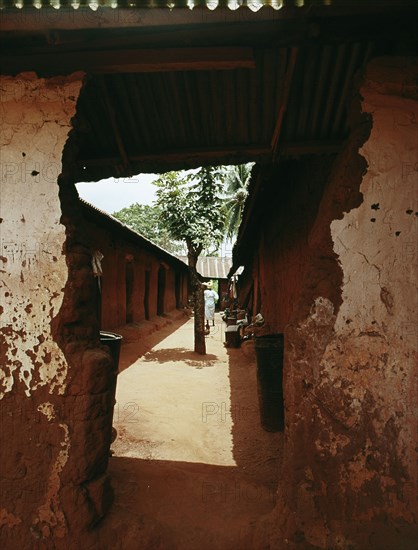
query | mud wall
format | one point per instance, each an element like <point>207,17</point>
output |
<point>349,476</point>
<point>56,382</point>
<point>117,253</point>
<point>290,203</point>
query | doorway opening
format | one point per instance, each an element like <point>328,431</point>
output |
<point>177,289</point>
<point>129,285</point>
<point>146,293</point>
<point>196,414</point>
<point>161,290</point>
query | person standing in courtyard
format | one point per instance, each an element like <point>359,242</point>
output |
<point>211,297</point>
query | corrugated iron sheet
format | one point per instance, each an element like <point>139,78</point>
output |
<point>178,110</point>
<point>318,96</point>
<point>211,267</point>
<point>230,110</point>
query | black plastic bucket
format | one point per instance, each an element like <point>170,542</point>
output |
<point>113,341</point>
<point>269,353</point>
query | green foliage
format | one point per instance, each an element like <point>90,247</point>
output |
<point>236,190</point>
<point>197,209</point>
<point>191,206</point>
<point>148,221</point>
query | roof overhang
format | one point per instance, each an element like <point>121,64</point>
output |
<point>172,89</point>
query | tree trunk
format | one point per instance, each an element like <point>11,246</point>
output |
<point>199,307</point>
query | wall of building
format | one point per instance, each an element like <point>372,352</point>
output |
<point>290,205</point>
<point>57,382</point>
<point>55,411</point>
<point>349,476</point>
<point>117,252</point>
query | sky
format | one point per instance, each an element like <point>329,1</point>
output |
<point>111,195</point>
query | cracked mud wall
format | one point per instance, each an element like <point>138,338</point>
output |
<point>54,377</point>
<point>377,323</point>
<point>349,477</point>
<point>35,118</point>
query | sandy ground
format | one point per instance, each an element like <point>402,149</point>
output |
<point>191,466</point>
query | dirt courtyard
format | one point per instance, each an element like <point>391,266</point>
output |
<point>191,466</point>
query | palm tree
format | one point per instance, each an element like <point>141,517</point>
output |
<point>236,189</point>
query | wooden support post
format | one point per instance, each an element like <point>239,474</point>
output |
<point>283,101</point>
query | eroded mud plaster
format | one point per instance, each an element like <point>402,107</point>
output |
<point>376,349</point>
<point>35,117</point>
<point>349,477</point>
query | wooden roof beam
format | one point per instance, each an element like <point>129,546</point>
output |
<point>66,18</point>
<point>167,157</point>
<point>112,116</point>
<point>317,147</point>
<point>133,60</point>
<point>283,100</point>
<point>288,149</point>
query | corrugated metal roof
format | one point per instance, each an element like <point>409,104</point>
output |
<point>321,82</point>
<point>218,89</point>
<point>165,113</point>
<point>176,120</point>
<point>212,267</point>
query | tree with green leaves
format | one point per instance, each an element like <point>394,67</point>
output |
<point>236,189</point>
<point>191,206</point>
<point>148,221</point>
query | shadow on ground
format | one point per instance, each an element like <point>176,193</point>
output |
<point>174,504</point>
<point>182,506</point>
<point>182,355</point>
<point>137,341</point>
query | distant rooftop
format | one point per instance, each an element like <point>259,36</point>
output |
<point>104,219</point>
<point>212,267</point>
